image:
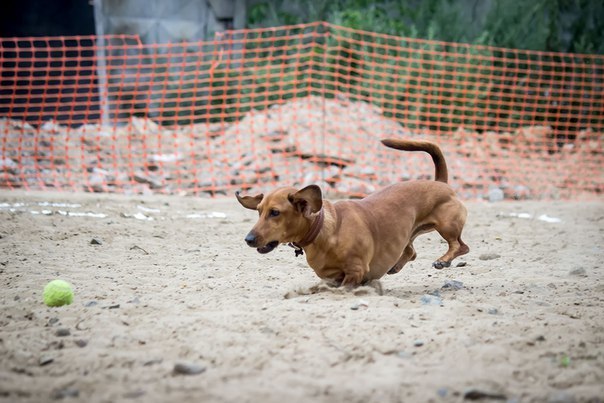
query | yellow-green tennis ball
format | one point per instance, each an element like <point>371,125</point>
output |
<point>58,293</point>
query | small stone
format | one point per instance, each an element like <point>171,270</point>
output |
<point>489,256</point>
<point>81,326</point>
<point>81,343</point>
<point>428,299</point>
<point>453,285</point>
<point>521,192</point>
<point>90,304</point>
<point>62,332</point>
<point>152,362</point>
<point>96,241</point>
<point>477,394</point>
<point>403,354</point>
<point>188,369</point>
<point>580,272</point>
<point>493,311</point>
<point>418,343</point>
<point>57,345</point>
<point>267,330</point>
<point>65,392</point>
<point>496,195</point>
<point>462,264</point>
<point>52,321</point>
<point>45,360</point>
<point>360,304</point>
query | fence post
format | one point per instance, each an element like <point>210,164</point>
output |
<point>325,30</point>
<point>101,63</point>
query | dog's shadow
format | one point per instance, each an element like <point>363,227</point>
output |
<point>371,288</point>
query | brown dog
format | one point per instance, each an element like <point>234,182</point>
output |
<point>353,241</point>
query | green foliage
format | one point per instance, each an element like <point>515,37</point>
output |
<point>409,80</point>
<point>549,25</point>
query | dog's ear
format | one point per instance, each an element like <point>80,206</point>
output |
<point>308,200</point>
<point>250,202</point>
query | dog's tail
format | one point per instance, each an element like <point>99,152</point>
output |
<point>440,166</point>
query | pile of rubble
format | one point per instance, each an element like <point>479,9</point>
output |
<point>332,142</point>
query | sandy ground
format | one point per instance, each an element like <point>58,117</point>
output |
<point>527,324</point>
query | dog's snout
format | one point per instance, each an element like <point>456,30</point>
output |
<point>251,239</point>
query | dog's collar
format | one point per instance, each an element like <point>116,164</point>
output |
<point>312,234</point>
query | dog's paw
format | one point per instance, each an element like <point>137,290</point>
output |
<point>439,264</point>
<point>393,270</point>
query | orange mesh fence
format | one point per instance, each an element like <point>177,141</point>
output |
<point>255,109</point>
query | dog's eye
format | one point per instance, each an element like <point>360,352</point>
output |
<point>273,213</point>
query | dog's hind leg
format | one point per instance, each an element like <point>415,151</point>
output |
<point>450,227</point>
<point>456,247</point>
<point>354,272</point>
<point>408,256</point>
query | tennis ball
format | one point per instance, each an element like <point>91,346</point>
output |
<point>58,293</point>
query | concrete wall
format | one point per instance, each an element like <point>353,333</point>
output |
<point>161,21</point>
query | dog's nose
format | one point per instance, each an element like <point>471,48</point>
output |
<point>250,239</point>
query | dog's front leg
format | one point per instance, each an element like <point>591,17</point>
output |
<point>355,272</point>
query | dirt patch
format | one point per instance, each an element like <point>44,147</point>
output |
<point>170,305</point>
